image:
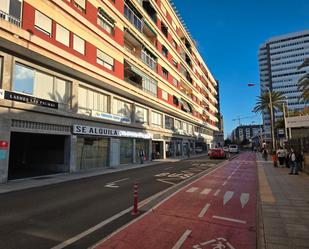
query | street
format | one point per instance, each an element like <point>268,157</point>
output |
<point>46,217</point>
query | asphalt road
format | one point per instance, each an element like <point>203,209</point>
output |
<point>47,216</point>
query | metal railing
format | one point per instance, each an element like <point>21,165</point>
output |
<point>132,17</point>
<point>9,18</point>
<point>148,60</point>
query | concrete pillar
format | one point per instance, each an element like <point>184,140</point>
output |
<point>134,151</point>
<point>182,150</point>
<point>74,96</point>
<point>193,149</point>
<point>5,135</point>
<point>164,150</point>
<point>72,150</point>
<point>150,149</point>
<point>8,68</point>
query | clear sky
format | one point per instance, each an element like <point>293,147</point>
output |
<point>228,34</point>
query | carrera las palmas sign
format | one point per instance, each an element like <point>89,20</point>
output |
<point>100,131</point>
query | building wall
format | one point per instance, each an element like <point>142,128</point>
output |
<point>27,49</point>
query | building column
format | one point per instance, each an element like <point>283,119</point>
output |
<point>134,150</point>
<point>164,150</point>
<point>71,149</point>
<point>150,150</point>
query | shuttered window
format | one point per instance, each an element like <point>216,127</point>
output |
<point>78,44</point>
<point>105,60</point>
<point>62,35</point>
<point>43,23</point>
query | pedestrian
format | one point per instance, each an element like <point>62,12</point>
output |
<point>264,153</point>
<point>281,155</point>
<point>274,158</point>
<point>299,160</point>
<point>189,151</point>
<point>293,162</point>
<point>142,155</point>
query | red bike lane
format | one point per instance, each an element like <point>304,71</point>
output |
<point>217,211</point>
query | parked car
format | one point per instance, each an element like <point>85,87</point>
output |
<point>233,148</point>
<point>217,153</point>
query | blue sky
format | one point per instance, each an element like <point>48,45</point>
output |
<point>228,34</point>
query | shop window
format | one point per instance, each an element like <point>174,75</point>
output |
<point>80,4</point>
<point>141,145</point>
<point>141,114</point>
<point>156,119</point>
<point>78,44</point>
<point>105,60</point>
<point>39,84</point>
<point>62,35</point>
<point>89,100</point>
<point>126,150</point>
<point>122,108</point>
<point>106,22</point>
<point>43,23</point>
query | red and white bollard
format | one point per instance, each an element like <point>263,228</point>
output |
<point>135,195</point>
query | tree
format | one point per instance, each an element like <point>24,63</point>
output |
<point>303,83</point>
<point>263,102</point>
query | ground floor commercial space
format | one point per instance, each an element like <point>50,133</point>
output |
<point>33,145</point>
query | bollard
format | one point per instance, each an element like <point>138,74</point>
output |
<point>135,198</point>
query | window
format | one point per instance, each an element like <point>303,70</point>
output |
<point>80,4</point>
<point>43,23</point>
<point>105,60</point>
<point>106,22</point>
<point>177,124</point>
<point>62,35</point>
<point>169,123</point>
<point>122,108</point>
<point>174,43</point>
<point>1,70</point>
<point>165,73</point>
<point>185,127</point>
<point>156,119</point>
<point>164,29</point>
<point>175,82</point>
<point>164,95</point>
<point>11,11</point>
<point>164,51</point>
<point>190,129</point>
<point>39,84</point>
<point>175,63</point>
<point>141,114</point>
<point>78,44</point>
<point>89,99</point>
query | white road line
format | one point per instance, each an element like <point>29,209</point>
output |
<point>217,192</point>
<point>112,184</point>
<point>244,198</point>
<point>204,210</point>
<point>229,219</point>
<point>182,239</point>
<point>227,196</point>
<point>223,184</point>
<point>191,190</point>
<point>171,183</point>
<point>168,168</point>
<point>206,191</point>
<point>229,177</point>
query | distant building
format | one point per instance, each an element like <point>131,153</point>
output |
<point>243,134</point>
<point>279,59</point>
<point>219,135</point>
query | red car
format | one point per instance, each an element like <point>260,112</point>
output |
<point>217,153</point>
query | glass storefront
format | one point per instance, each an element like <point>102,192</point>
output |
<point>92,152</point>
<point>126,150</point>
<point>169,149</point>
<point>141,144</point>
<point>178,147</point>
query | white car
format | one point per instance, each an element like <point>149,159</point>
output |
<point>233,148</point>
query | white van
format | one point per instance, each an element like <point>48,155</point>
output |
<point>233,148</point>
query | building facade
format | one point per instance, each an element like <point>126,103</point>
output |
<point>92,84</point>
<point>243,134</point>
<point>279,59</point>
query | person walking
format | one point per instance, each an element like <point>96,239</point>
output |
<point>264,153</point>
<point>281,155</point>
<point>293,162</point>
<point>275,159</point>
<point>142,155</point>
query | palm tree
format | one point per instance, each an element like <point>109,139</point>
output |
<point>303,83</point>
<point>263,102</point>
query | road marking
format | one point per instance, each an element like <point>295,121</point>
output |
<point>264,187</point>
<point>168,168</point>
<point>229,219</point>
<point>216,243</point>
<point>223,184</point>
<point>182,239</point>
<point>204,210</point>
<point>171,183</point>
<point>112,184</point>
<point>229,177</point>
<point>217,192</point>
<point>206,191</point>
<point>227,196</point>
<point>191,190</point>
<point>244,198</point>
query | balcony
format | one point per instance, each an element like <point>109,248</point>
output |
<point>149,60</point>
<point>9,18</point>
<point>133,15</point>
<point>150,10</point>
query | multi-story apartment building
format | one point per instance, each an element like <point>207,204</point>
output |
<point>279,59</point>
<point>93,84</point>
<point>244,133</point>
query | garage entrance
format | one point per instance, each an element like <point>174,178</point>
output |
<point>37,154</point>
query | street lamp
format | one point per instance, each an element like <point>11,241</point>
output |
<point>284,116</point>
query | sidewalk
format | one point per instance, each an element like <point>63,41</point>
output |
<point>215,211</point>
<point>283,209</point>
<point>39,181</point>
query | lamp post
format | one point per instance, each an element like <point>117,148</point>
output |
<point>271,119</point>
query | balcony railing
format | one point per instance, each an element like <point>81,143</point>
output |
<point>149,61</point>
<point>10,18</point>
<point>132,17</point>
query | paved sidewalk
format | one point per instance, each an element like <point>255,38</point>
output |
<point>39,181</point>
<point>284,208</point>
<point>216,211</point>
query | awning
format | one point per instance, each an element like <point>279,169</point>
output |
<point>150,28</point>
